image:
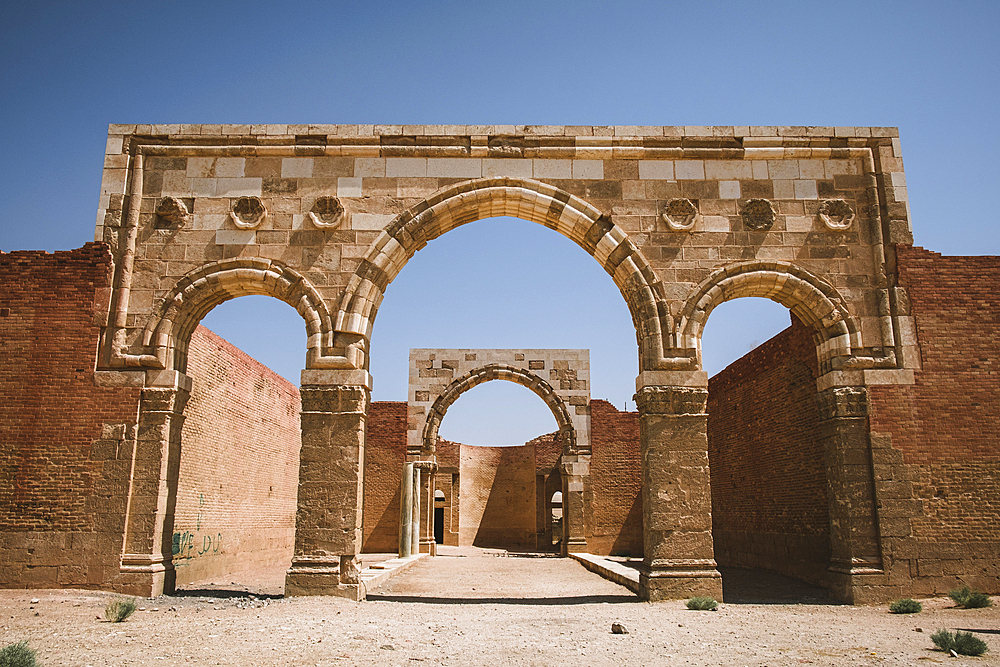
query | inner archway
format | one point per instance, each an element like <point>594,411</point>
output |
<point>770,504</point>
<point>494,491</point>
<point>237,479</point>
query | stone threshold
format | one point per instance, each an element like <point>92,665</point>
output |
<point>377,574</point>
<point>610,570</point>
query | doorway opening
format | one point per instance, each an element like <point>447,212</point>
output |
<point>234,520</point>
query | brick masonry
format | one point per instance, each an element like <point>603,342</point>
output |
<point>64,441</point>
<point>385,453</point>
<point>615,474</point>
<point>67,441</point>
<point>239,465</point>
<point>936,440</point>
<point>769,489</point>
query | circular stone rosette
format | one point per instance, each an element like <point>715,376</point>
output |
<point>327,213</point>
<point>837,214</point>
<point>758,215</point>
<point>248,212</point>
<point>680,214</point>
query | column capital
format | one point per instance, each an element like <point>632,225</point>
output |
<point>671,400</point>
<point>842,402</point>
<point>342,399</point>
<point>156,399</point>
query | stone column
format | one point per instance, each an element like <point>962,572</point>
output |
<point>415,515</point>
<point>406,511</point>
<point>331,466</point>
<point>679,557</point>
<point>574,469</point>
<point>427,544</point>
<point>147,567</point>
<point>855,550</point>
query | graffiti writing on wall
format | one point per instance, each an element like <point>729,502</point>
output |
<point>190,544</point>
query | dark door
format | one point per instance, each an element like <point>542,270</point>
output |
<point>439,525</point>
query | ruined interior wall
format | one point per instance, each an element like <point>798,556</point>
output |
<point>385,454</point>
<point>616,479</point>
<point>939,479</point>
<point>239,466</point>
<point>769,486</point>
<point>498,497</point>
<point>65,443</point>
<point>447,480</point>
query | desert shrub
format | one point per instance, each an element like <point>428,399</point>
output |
<point>119,609</point>
<point>905,606</point>
<point>968,598</point>
<point>702,603</point>
<point>967,643</point>
<point>963,643</point>
<point>17,655</point>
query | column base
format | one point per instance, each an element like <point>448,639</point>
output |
<point>860,583</point>
<point>145,575</point>
<point>678,579</point>
<point>574,546</point>
<point>323,577</point>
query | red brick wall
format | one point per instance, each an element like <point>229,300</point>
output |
<point>239,466</point>
<point>769,486</point>
<point>616,480</point>
<point>940,487</point>
<point>385,454</point>
<point>64,458</point>
<point>498,497</point>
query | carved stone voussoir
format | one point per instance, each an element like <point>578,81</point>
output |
<point>339,399</point>
<point>662,400</point>
<point>843,402</point>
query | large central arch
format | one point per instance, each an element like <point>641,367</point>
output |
<point>529,200</point>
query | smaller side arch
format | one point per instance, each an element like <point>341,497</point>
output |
<point>813,300</point>
<point>175,318</point>
<point>545,391</point>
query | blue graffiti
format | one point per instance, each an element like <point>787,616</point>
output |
<point>185,545</point>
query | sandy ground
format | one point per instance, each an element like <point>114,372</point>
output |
<point>469,607</point>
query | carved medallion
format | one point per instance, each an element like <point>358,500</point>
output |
<point>248,212</point>
<point>173,211</point>
<point>836,214</point>
<point>758,215</point>
<point>680,214</point>
<point>327,213</point>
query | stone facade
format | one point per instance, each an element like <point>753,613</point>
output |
<point>682,219</point>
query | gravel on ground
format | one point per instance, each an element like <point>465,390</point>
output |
<point>482,607</point>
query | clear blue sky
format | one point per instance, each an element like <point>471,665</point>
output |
<point>70,68</point>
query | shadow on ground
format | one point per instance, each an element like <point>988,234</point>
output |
<point>741,586</point>
<point>222,593</point>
